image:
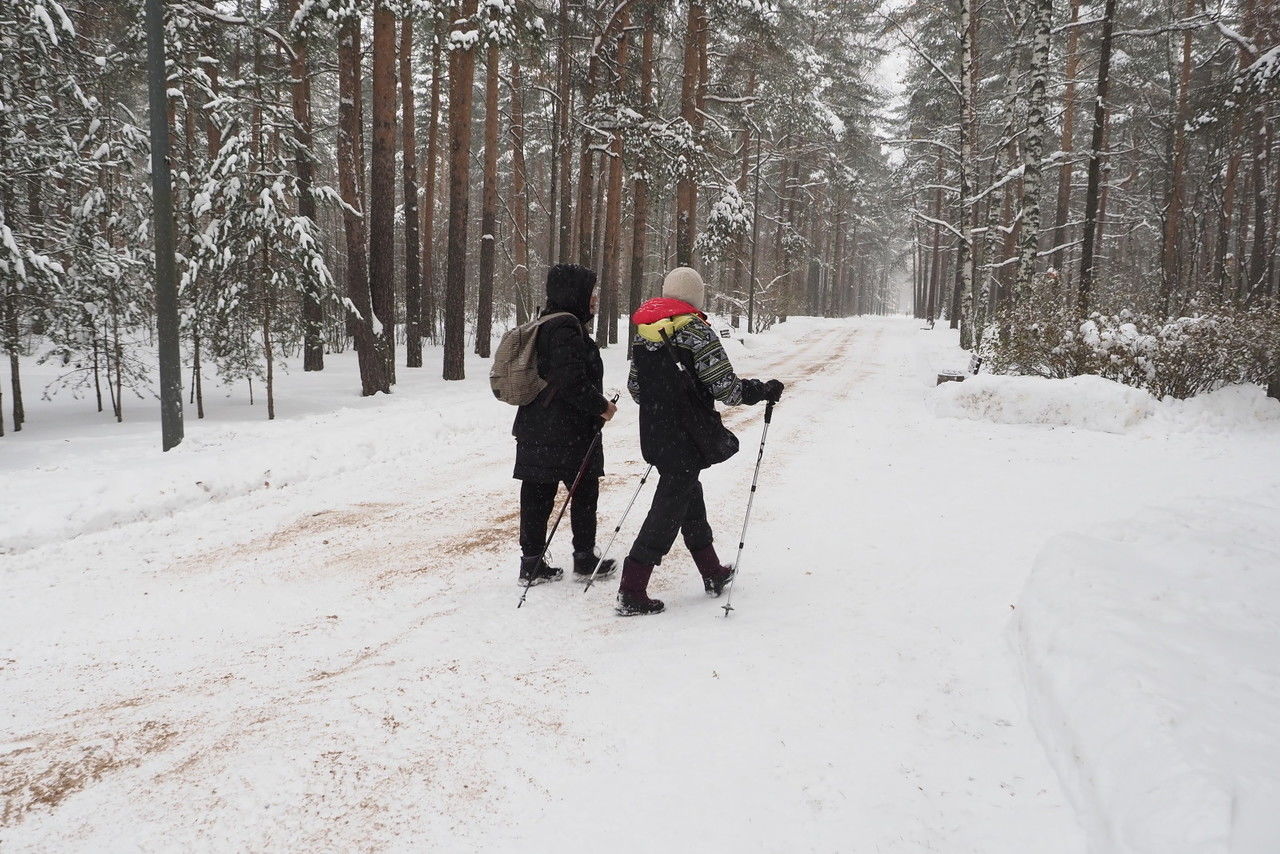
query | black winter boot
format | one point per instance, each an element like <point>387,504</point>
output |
<point>535,570</point>
<point>715,575</point>
<point>584,563</point>
<point>633,600</point>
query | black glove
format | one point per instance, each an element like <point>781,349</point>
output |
<point>752,392</point>
<point>772,391</point>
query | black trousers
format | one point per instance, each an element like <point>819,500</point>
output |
<point>536,502</point>
<point>677,508</point>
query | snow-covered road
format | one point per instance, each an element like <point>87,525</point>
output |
<point>336,662</point>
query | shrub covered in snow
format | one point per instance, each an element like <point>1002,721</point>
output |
<point>1207,348</point>
<point>728,220</point>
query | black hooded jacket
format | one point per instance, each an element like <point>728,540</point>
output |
<point>554,432</point>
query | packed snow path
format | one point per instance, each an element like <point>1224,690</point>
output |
<point>340,664</point>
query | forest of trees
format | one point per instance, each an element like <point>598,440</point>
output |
<point>1077,187</point>
<point>1094,185</point>
<point>388,173</point>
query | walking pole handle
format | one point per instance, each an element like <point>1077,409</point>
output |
<point>768,412</point>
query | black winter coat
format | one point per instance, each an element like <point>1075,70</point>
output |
<point>555,431</point>
<point>680,429</point>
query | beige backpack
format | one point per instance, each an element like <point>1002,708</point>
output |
<point>514,376</point>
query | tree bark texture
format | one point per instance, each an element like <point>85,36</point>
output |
<point>462,68</point>
<point>488,205</point>
<point>409,183</point>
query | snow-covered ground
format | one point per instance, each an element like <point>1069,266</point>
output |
<point>1152,651</point>
<point>302,635</point>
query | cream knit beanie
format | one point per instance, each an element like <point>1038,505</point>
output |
<point>684,283</point>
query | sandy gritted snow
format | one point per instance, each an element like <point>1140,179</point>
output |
<point>302,635</point>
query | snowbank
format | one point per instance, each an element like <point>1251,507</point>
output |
<point>1151,656</point>
<point>91,491</point>
<point>1094,403</point>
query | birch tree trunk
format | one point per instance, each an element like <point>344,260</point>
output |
<point>1033,145</point>
<point>968,121</point>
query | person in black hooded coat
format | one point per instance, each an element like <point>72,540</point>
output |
<point>556,430</point>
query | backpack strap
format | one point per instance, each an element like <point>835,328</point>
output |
<point>675,360</point>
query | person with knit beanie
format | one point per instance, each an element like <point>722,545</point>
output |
<point>679,369</point>
<point>557,429</point>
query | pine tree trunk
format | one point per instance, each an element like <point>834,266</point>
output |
<point>373,377</point>
<point>744,171</point>
<point>519,195</point>
<point>586,188</point>
<point>268,347</point>
<point>564,150</point>
<point>687,187</point>
<point>12,340</point>
<point>118,351</point>
<point>1255,286</point>
<point>312,311</point>
<point>935,265</point>
<point>1170,250</point>
<point>1091,199</point>
<point>189,150</point>
<point>382,185</point>
<point>260,146</point>
<point>488,205</point>
<point>409,182</point>
<point>462,67</point>
<point>430,302</point>
<point>97,365</point>
<point>597,216</point>
<point>610,267</point>
<point>640,187</point>
<point>587,236</point>
<point>213,136</point>
<point>1227,208</point>
<point>9,330</point>
<point>853,294</point>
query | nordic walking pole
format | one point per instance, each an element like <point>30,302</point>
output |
<point>742,539</point>
<point>582,469</point>
<point>625,513</point>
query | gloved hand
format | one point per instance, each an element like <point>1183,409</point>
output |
<point>772,391</point>
<point>752,392</point>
